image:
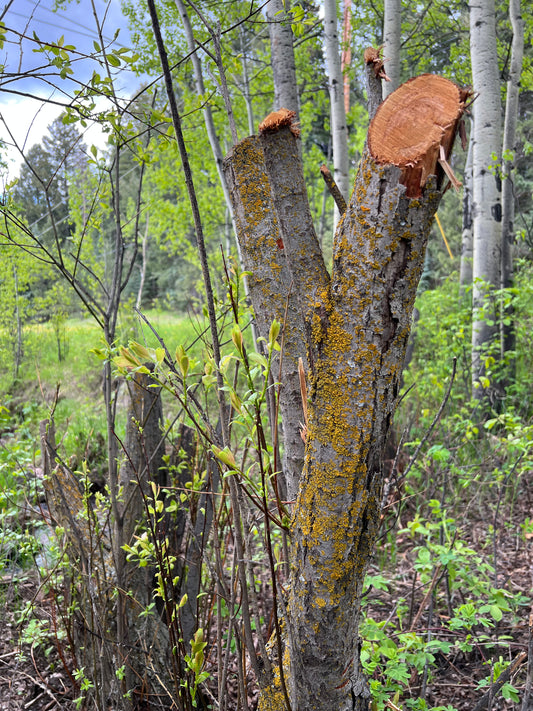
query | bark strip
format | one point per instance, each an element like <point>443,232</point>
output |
<point>271,290</point>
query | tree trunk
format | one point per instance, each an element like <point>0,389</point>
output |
<point>17,360</point>
<point>144,264</point>
<point>339,130</point>
<point>346,52</point>
<point>356,323</point>
<point>392,36</point>
<point>509,147</point>
<point>271,290</point>
<point>282,56</point>
<point>206,110</point>
<point>486,206</point>
<point>246,79</point>
<point>93,554</point>
<point>465,277</point>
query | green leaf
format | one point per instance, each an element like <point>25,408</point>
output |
<point>258,358</point>
<point>495,612</point>
<point>225,456</point>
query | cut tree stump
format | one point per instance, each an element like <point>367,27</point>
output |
<point>415,128</point>
<point>356,322</point>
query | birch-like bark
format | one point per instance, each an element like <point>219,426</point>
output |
<point>465,275</point>
<point>144,264</point>
<point>339,129</point>
<point>282,56</point>
<point>346,53</point>
<point>509,147</point>
<point>392,35</point>
<point>246,82</point>
<point>486,205</point>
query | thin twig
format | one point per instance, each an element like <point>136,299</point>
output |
<point>435,420</point>
<point>500,681</point>
<point>333,189</point>
<point>424,602</point>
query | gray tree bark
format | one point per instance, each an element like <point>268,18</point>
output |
<point>509,147</point>
<point>282,56</point>
<point>356,324</point>
<point>338,128</point>
<point>272,292</point>
<point>467,248</point>
<point>486,205</point>
<point>392,35</point>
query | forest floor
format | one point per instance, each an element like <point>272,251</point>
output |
<point>31,678</point>
<point>39,678</point>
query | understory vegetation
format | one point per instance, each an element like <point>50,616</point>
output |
<point>447,595</point>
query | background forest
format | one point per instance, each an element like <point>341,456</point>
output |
<point>148,470</point>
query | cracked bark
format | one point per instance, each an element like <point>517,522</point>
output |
<point>271,291</point>
<point>357,321</point>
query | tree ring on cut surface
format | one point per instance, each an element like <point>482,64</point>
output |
<point>412,124</point>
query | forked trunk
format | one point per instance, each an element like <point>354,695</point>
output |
<point>356,323</point>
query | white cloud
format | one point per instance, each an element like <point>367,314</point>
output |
<point>25,121</point>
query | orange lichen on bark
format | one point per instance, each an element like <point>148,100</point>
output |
<point>415,128</point>
<point>279,119</point>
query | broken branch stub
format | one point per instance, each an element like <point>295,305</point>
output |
<point>415,127</point>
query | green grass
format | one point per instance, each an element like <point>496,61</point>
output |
<point>76,380</point>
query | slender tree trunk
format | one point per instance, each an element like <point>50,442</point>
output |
<point>339,130</point>
<point>486,206</point>
<point>346,53</point>
<point>144,263</point>
<point>356,323</point>
<point>246,82</point>
<point>282,56</point>
<point>509,147</point>
<point>465,278</point>
<point>18,344</point>
<point>200,89</point>
<point>392,35</point>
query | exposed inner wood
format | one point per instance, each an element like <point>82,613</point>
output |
<point>415,128</point>
<point>279,119</point>
<point>373,56</point>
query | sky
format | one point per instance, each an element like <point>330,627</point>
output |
<point>24,115</point>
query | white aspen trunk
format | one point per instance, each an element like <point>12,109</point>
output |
<point>392,33</point>
<point>509,146</point>
<point>486,207</point>
<point>246,83</point>
<point>339,130</point>
<point>144,264</point>
<point>346,53</point>
<point>282,56</point>
<point>465,276</point>
<point>208,115</point>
